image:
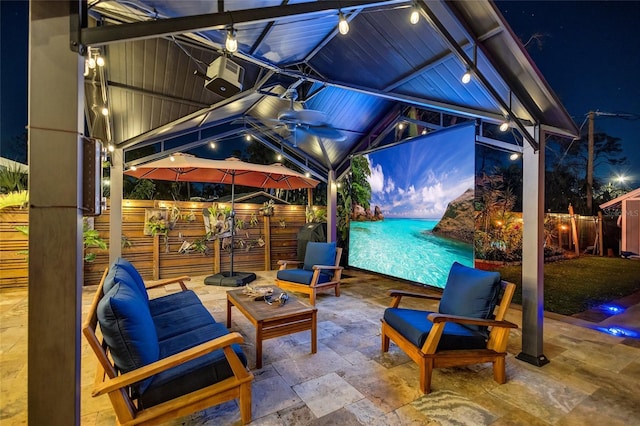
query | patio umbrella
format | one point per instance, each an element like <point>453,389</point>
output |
<point>189,168</point>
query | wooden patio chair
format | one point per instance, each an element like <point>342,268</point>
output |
<point>467,329</point>
<point>321,271</point>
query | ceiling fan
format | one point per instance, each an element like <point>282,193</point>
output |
<point>306,120</point>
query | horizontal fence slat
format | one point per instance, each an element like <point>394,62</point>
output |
<point>138,247</point>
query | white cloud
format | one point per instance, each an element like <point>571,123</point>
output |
<point>376,180</point>
<point>390,187</point>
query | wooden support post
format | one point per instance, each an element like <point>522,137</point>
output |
<point>266,228</point>
<point>156,257</point>
<point>216,256</point>
<point>600,234</point>
<point>574,230</point>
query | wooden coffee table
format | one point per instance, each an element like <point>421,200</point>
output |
<point>274,320</point>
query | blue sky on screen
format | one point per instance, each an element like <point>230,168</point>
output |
<point>418,179</point>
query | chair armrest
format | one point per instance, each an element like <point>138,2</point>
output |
<point>399,294</point>
<point>166,281</point>
<point>437,318</point>
<point>149,370</point>
<point>331,267</point>
<point>284,264</point>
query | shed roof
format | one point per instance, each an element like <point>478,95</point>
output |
<point>383,72</point>
<point>635,194</point>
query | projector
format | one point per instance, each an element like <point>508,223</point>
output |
<point>224,77</point>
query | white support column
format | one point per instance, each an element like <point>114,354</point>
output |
<point>55,123</point>
<point>115,208</point>
<point>332,203</point>
<point>533,252</point>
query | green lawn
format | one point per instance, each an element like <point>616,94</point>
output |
<point>576,285</point>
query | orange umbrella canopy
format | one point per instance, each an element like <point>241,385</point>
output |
<point>189,168</point>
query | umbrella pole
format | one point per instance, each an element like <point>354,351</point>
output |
<point>233,221</point>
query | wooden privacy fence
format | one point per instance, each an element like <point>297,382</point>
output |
<point>560,232</point>
<point>263,242</point>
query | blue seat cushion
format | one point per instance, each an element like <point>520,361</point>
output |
<point>181,320</point>
<point>178,300</point>
<point>119,274</point>
<point>415,327</point>
<point>128,329</point>
<point>319,254</point>
<point>470,292</point>
<point>192,375</point>
<point>301,276</point>
<point>133,272</point>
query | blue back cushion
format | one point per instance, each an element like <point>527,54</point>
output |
<point>319,254</point>
<point>128,328</point>
<point>133,272</point>
<point>119,274</point>
<point>470,292</point>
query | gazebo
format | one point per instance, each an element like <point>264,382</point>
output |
<point>156,96</point>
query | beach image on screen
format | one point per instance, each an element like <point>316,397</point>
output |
<point>419,217</point>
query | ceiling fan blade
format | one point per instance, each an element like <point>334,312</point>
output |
<point>325,132</point>
<point>304,116</point>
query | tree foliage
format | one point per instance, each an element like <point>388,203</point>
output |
<point>567,168</point>
<point>359,185</point>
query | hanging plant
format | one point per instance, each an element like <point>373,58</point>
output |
<point>267,208</point>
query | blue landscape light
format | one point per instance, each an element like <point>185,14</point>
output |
<point>619,331</point>
<point>614,309</point>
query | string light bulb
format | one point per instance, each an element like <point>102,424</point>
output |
<point>504,126</point>
<point>134,168</point>
<point>247,137</point>
<point>231,44</point>
<point>100,61</point>
<point>514,156</point>
<point>415,15</point>
<point>343,25</point>
<point>111,148</point>
<point>172,158</point>
<point>212,145</point>
<point>466,77</point>
<point>104,111</point>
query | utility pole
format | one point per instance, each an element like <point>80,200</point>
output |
<point>590,164</point>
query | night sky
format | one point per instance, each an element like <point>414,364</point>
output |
<point>588,52</point>
<point>590,56</point>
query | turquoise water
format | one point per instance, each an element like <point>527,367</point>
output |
<point>405,248</point>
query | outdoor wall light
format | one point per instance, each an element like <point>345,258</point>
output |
<point>231,43</point>
<point>415,15</point>
<point>466,77</point>
<point>343,25</point>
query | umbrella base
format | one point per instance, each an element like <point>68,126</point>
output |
<point>225,279</point>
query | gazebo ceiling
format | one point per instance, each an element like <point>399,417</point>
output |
<point>365,82</point>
